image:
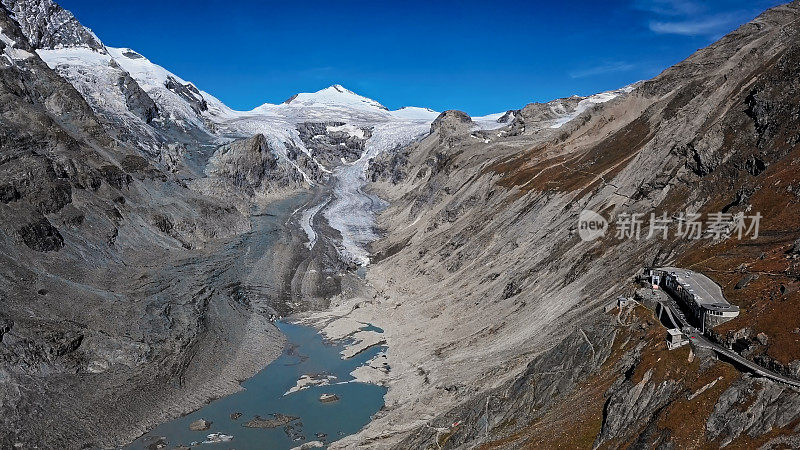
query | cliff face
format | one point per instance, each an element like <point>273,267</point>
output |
<point>485,227</point>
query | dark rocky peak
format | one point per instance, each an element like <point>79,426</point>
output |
<point>254,145</point>
<point>189,93</point>
<point>257,143</point>
<point>136,99</point>
<point>130,54</point>
<point>508,117</point>
<point>290,99</point>
<point>452,122</point>
<point>47,25</point>
<point>14,38</point>
<point>333,142</point>
<point>251,165</point>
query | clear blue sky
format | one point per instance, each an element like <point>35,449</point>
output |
<point>476,56</point>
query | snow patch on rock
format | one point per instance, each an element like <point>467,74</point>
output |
<point>590,102</point>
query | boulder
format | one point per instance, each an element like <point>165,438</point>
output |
<point>745,281</point>
<point>328,398</point>
<point>41,236</point>
<point>276,421</point>
<point>200,425</point>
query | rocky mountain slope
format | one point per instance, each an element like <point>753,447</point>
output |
<point>104,257</point>
<point>494,307</point>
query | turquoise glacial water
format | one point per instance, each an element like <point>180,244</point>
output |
<point>306,354</point>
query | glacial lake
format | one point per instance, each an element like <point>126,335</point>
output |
<point>307,353</point>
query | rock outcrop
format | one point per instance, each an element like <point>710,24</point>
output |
<point>251,166</point>
<point>47,25</point>
<point>451,123</point>
<point>334,143</point>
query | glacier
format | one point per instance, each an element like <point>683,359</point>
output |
<point>99,73</point>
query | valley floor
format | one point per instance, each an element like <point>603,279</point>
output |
<point>290,262</point>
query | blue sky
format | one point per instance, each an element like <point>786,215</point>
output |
<point>476,56</point>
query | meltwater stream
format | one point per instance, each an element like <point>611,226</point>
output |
<point>307,353</point>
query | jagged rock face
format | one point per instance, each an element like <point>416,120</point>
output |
<point>309,165</point>
<point>631,404</point>
<point>752,408</point>
<point>534,113</point>
<point>508,117</point>
<point>332,143</point>
<point>39,185</point>
<point>189,93</point>
<point>250,165</point>
<point>83,218</point>
<point>123,106</point>
<point>451,122</point>
<point>534,116</point>
<point>136,99</point>
<point>150,119</point>
<point>119,101</point>
<point>391,166</point>
<point>47,25</point>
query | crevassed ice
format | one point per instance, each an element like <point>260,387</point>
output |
<point>352,211</point>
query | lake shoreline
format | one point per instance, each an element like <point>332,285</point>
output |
<point>305,279</point>
<point>266,413</point>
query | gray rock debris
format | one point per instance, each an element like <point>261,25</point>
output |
<point>754,407</point>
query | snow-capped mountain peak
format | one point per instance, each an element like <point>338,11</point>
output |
<point>336,103</point>
<point>335,95</point>
<point>153,106</point>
